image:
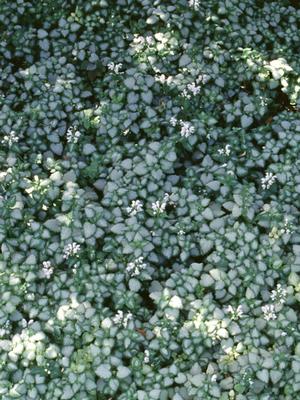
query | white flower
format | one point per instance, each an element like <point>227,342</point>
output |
<point>5,330</point>
<point>225,150</point>
<point>191,88</point>
<point>135,207</point>
<point>173,121</point>
<point>203,78</point>
<point>268,180</point>
<point>10,139</point>
<point>167,198</point>
<point>269,311</point>
<point>160,78</point>
<point>195,4</point>
<point>186,94</point>
<point>159,207</point>
<point>135,267</point>
<point>73,135</point>
<point>121,319</point>
<point>75,268</point>
<point>47,269</point>
<point>146,356</point>
<point>118,318</point>
<point>139,40</point>
<point>287,229</point>
<point>186,128</point>
<point>279,294</point>
<point>118,67</point>
<point>111,66</point>
<point>71,249</point>
<point>235,312</point>
<point>114,67</point>
<point>156,208</point>
<point>149,40</point>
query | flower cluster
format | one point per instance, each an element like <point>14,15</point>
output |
<point>236,313</point>
<point>47,269</point>
<point>159,207</point>
<point>10,138</point>
<point>71,249</point>
<point>135,207</point>
<point>73,134</point>
<point>135,267</point>
<point>122,319</point>
<point>269,312</point>
<point>141,40</point>
<point>146,356</point>
<point>279,294</point>
<point>115,67</point>
<point>226,150</point>
<point>194,4</point>
<point>186,128</point>
<point>191,90</point>
<point>268,180</point>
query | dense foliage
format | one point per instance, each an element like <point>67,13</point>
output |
<point>150,192</point>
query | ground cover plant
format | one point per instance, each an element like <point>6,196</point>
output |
<point>149,200</point>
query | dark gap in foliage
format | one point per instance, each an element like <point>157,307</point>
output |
<point>247,87</point>
<point>147,301</point>
<point>201,259</point>
<point>107,302</point>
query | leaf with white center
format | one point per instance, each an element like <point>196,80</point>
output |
<point>197,380</point>
<point>88,148</point>
<point>42,34</point>
<point>206,280</point>
<point>134,285</point>
<point>129,82</point>
<point>89,229</point>
<point>206,245</point>
<point>123,372</point>
<point>263,375</point>
<point>103,371</point>
<point>246,121</point>
<point>67,393</point>
<point>184,60</point>
<point>275,376</point>
<point>236,211</point>
<point>147,97</point>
